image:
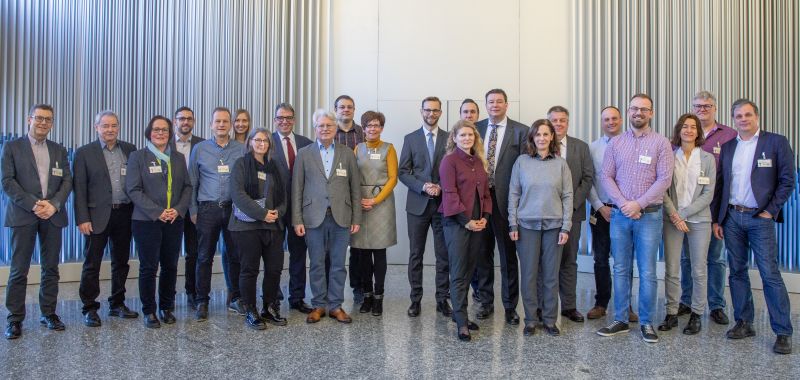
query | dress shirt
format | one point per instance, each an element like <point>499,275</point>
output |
<point>115,161</point>
<point>562,148</point>
<point>327,155</point>
<point>425,133</point>
<point>717,136</point>
<point>501,131</point>
<point>286,148</point>
<point>42,157</point>
<point>184,147</point>
<point>686,174</point>
<point>741,170</point>
<point>598,195</point>
<point>209,184</point>
<point>350,138</point>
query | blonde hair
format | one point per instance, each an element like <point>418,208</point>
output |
<point>477,146</point>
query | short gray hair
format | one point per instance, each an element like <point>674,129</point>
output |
<point>320,113</point>
<point>705,95</point>
<point>103,114</point>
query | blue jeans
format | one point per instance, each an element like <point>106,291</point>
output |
<point>639,239</point>
<point>745,230</point>
<point>716,275</point>
<point>327,239</point>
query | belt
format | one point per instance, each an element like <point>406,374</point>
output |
<point>115,206</point>
<point>645,210</point>
<point>221,204</point>
<point>742,208</point>
<point>609,205</point>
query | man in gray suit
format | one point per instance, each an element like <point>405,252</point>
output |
<point>326,194</point>
<point>422,151</point>
<point>579,160</point>
<point>103,211</point>
<point>37,181</point>
<point>504,142</point>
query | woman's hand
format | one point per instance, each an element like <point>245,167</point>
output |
<point>675,218</point>
<point>367,203</point>
<point>681,226</point>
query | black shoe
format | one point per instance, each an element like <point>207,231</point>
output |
<point>52,322</point>
<point>377,306</point>
<point>414,309</point>
<point>718,316</point>
<point>512,318</point>
<point>13,330</point>
<point>684,309</point>
<point>236,306</point>
<point>463,334</point>
<point>272,316</point>
<point>648,334</point>
<point>358,295</point>
<point>191,301</point>
<point>91,319</point>
<point>694,325</point>
<point>202,312</point>
<point>484,311</point>
<point>151,321</point>
<point>366,306</point>
<point>529,330</point>
<point>741,330</point>
<point>444,308</point>
<point>166,316</point>
<point>252,319</point>
<point>573,315</point>
<point>122,311</point>
<point>552,330</point>
<point>301,306</point>
<point>783,345</point>
<point>670,321</point>
<point>614,328</point>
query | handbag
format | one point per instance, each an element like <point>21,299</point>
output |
<point>239,214</point>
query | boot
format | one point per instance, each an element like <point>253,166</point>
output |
<point>377,305</point>
<point>366,306</point>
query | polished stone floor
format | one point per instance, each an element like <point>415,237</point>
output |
<point>391,346</point>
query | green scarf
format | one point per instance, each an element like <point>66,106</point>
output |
<point>164,157</point>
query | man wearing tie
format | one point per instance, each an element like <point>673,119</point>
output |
<point>37,181</point>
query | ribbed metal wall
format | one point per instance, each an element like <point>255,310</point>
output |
<point>672,49</point>
<point>143,58</point>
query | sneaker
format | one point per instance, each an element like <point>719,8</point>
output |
<point>236,307</point>
<point>614,328</point>
<point>649,334</point>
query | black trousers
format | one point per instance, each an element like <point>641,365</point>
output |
<point>418,235</point>
<point>118,234</point>
<point>463,248</point>
<point>357,280</point>
<point>159,246</point>
<point>190,251</point>
<point>601,250</point>
<point>497,230</point>
<point>297,265</point>
<point>211,221</point>
<point>23,241</point>
<point>254,247</point>
<point>373,264</point>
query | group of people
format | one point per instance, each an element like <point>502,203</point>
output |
<point>493,182</point>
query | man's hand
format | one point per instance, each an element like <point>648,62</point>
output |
<point>300,230</point>
<point>44,209</point>
<point>605,212</point>
<point>562,238</point>
<point>354,228</point>
<point>85,228</point>
<point>514,235</point>
<point>765,214</point>
<point>718,232</point>
<point>272,216</point>
<point>630,209</point>
<point>193,218</point>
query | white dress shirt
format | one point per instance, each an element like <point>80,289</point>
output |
<point>501,131</point>
<point>741,171</point>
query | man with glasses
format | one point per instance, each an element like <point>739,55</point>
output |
<point>287,144</point>
<point>35,207</point>
<point>637,171</point>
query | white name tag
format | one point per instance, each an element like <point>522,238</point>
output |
<point>123,171</point>
<point>155,169</point>
<point>765,163</point>
<point>341,172</point>
<point>703,181</point>
<point>592,220</point>
<point>223,169</point>
<point>262,176</point>
<point>645,159</point>
<point>716,150</point>
<point>375,156</point>
<point>58,172</point>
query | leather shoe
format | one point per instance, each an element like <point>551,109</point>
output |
<point>13,330</point>
<point>444,308</point>
<point>315,315</point>
<point>741,330</point>
<point>597,312</point>
<point>301,306</point>
<point>122,311</point>
<point>52,322</point>
<point>529,330</point>
<point>366,306</point>
<point>718,316</point>
<point>91,319</point>
<point>783,345</point>
<point>463,334</point>
<point>340,316</point>
<point>166,316</point>
<point>414,309</point>
<point>694,325</point>
<point>151,321</point>
<point>552,330</point>
<point>377,306</point>
<point>632,316</point>
<point>684,309</point>
<point>273,316</point>
<point>484,312</point>
<point>472,326</point>
<point>202,312</point>
<point>670,321</point>
<point>191,301</point>
<point>573,315</point>
<point>512,318</point>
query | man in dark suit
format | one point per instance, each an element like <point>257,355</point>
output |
<point>37,181</point>
<point>183,143</point>
<point>503,141</point>
<point>756,178</point>
<point>579,160</point>
<point>286,144</point>
<point>103,211</point>
<point>422,151</point>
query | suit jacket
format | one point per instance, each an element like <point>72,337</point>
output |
<point>579,160</point>
<point>148,191</point>
<point>283,167</point>
<point>698,210</point>
<point>92,184</point>
<point>512,146</point>
<point>23,188</point>
<point>310,188</point>
<point>771,186</point>
<point>416,168</point>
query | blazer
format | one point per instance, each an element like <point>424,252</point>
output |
<point>283,167</point>
<point>248,205</point>
<point>463,176</point>
<point>310,188</point>
<point>23,188</point>
<point>415,167</point>
<point>512,146</point>
<point>771,186</point>
<point>698,210</point>
<point>148,191</point>
<point>92,184</point>
<point>581,166</point>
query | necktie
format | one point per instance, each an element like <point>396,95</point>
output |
<point>290,153</point>
<point>491,153</point>
<point>430,147</point>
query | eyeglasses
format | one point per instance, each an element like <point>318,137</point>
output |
<point>284,118</point>
<point>704,107</point>
<point>183,118</point>
<point>434,111</point>
<point>108,126</point>
<point>346,107</point>
<point>375,125</point>
<point>43,120</point>
<point>325,126</point>
<point>260,141</point>
<point>637,109</point>
<point>160,130</point>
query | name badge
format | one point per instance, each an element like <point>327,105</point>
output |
<point>762,163</point>
<point>592,220</point>
<point>123,171</point>
<point>155,169</point>
<point>375,156</point>
<point>58,172</point>
<point>703,181</point>
<point>716,149</point>
<point>262,176</point>
<point>341,172</point>
<point>223,169</point>
<point>645,159</point>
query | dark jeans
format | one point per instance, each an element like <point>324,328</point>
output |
<point>211,221</point>
<point>497,231</point>
<point>418,235</point>
<point>118,231</point>
<point>373,263</point>
<point>746,232</point>
<point>601,250</point>
<point>190,250</point>
<point>297,266</point>
<point>254,247</point>
<point>23,240</point>
<point>158,244</point>
<point>463,248</point>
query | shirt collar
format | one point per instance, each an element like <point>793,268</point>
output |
<point>755,137</point>
<point>550,156</point>
<point>34,142</point>
<point>501,124</point>
<point>104,145</point>
<point>179,139</point>
<point>322,147</point>
<point>425,131</point>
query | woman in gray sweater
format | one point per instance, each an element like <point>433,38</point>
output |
<point>540,217</point>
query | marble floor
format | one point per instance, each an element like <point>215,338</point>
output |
<point>391,346</point>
